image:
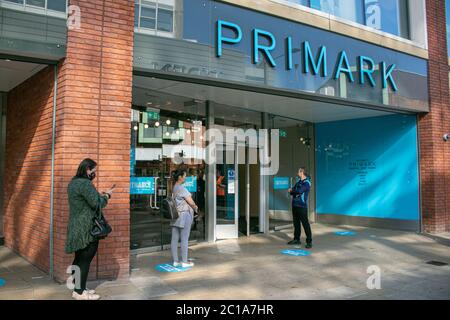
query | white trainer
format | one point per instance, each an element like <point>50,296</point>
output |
<point>85,296</point>
<point>189,264</point>
<point>176,264</point>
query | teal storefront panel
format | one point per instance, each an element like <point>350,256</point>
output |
<point>368,168</point>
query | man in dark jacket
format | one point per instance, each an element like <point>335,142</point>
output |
<point>299,195</point>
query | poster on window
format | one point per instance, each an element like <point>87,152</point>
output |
<point>142,185</point>
<point>231,182</point>
<point>191,184</point>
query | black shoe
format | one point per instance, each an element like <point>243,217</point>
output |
<point>308,246</point>
<point>294,242</point>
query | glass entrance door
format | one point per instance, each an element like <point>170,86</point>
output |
<point>249,192</point>
<point>237,172</point>
<point>227,198</point>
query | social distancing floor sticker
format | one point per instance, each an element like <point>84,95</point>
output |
<point>296,252</point>
<point>345,233</point>
<point>167,267</point>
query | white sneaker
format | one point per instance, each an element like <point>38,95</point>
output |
<point>85,296</point>
<point>176,264</point>
<point>90,291</point>
<point>187,264</point>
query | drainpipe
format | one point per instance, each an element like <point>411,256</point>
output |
<point>52,192</point>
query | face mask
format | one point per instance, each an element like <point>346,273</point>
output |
<point>91,176</point>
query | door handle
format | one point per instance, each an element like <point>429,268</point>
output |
<point>156,194</point>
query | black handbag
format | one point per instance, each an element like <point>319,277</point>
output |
<point>101,228</point>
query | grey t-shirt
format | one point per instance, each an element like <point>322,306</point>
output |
<point>186,213</point>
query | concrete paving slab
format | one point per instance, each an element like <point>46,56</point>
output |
<point>252,268</point>
<point>24,294</point>
<point>130,296</point>
<point>152,286</point>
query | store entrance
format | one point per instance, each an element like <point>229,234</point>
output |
<point>238,175</point>
<point>237,191</point>
<point>166,134</point>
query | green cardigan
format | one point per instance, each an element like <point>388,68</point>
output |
<point>83,201</point>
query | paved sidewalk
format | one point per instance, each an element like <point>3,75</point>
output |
<point>254,268</point>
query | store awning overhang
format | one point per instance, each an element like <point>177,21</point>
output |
<point>302,106</point>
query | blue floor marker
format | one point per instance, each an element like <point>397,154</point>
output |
<point>168,267</point>
<point>345,233</point>
<point>2,282</point>
<point>296,252</point>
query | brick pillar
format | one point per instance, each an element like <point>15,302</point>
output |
<point>93,120</point>
<point>435,153</point>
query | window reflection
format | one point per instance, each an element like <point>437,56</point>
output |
<point>390,16</point>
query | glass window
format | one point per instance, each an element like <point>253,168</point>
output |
<point>36,3</point>
<point>166,134</point>
<point>296,145</point>
<point>387,15</point>
<point>153,15</point>
<point>148,17</point>
<point>390,16</point>
<point>15,1</point>
<point>56,5</point>
<point>136,14</point>
<point>165,20</point>
<point>305,3</point>
<point>148,12</point>
<point>347,9</point>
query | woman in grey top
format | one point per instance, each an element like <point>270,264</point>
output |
<point>181,228</point>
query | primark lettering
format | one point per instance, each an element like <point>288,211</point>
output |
<point>313,62</point>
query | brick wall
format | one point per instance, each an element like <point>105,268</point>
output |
<point>434,152</point>
<point>28,168</point>
<point>93,120</point>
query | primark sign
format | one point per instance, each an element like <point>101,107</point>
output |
<point>313,60</point>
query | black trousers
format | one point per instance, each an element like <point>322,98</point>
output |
<point>300,216</point>
<point>83,259</point>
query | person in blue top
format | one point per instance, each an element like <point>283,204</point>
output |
<point>299,195</point>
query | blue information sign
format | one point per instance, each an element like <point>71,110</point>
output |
<point>166,267</point>
<point>296,252</point>
<point>191,184</point>
<point>281,183</point>
<point>142,185</point>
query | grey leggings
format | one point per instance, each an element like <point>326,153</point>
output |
<point>182,233</point>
